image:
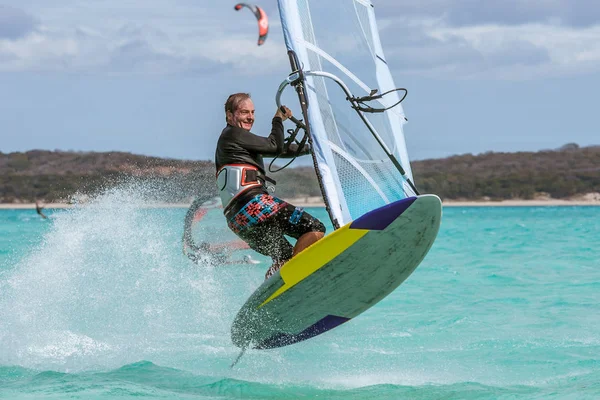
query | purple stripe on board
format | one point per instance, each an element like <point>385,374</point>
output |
<point>381,217</point>
<point>284,339</point>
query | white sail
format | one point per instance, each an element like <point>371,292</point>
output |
<point>360,156</point>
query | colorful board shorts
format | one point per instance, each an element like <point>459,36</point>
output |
<point>264,220</point>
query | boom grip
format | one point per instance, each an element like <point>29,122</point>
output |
<point>294,119</point>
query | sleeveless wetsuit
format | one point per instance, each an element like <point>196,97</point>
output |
<point>257,217</point>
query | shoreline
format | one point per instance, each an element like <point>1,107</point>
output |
<point>520,203</point>
<point>306,202</point>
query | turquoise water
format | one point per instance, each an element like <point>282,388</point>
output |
<point>98,302</point>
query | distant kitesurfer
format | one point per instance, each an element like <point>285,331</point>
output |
<point>39,209</point>
<point>252,213</point>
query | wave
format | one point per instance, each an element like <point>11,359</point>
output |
<point>145,379</point>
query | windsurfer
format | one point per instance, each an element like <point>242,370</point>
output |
<point>39,209</point>
<point>252,212</point>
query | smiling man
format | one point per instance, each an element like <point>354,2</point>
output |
<point>252,213</point>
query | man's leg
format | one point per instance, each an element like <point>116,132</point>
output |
<point>255,223</point>
<point>267,239</point>
<point>302,226</point>
<point>294,222</point>
<point>306,240</point>
<point>278,247</point>
<point>271,219</point>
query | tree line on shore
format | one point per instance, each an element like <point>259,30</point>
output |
<point>56,176</point>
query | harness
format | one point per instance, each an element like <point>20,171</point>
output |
<point>235,179</point>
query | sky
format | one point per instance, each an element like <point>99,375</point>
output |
<point>151,76</point>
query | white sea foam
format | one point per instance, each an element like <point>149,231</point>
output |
<point>108,283</point>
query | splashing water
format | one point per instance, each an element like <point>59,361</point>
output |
<point>108,285</point>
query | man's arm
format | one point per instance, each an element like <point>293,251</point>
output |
<point>270,146</point>
<point>267,146</point>
<point>292,151</point>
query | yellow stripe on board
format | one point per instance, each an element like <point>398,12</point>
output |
<point>316,256</point>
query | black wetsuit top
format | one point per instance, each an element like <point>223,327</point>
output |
<point>239,146</point>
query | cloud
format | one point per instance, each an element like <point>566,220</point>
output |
<point>138,37</point>
<point>510,39</point>
<point>142,57</point>
<point>15,23</point>
<point>431,47</point>
<point>553,49</point>
<point>518,52</point>
<point>36,52</point>
<point>576,13</point>
<point>134,48</point>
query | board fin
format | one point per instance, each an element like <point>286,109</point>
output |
<point>238,357</point>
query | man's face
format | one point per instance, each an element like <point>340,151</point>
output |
<point>243,117</point>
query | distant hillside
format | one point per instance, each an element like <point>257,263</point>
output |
<point>55,175</point>
<point>560,173</point>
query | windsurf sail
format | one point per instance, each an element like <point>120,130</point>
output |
<point>350,105</point>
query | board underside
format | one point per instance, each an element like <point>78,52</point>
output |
<point>340,276</point>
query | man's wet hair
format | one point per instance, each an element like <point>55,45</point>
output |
<point>233,101</point>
